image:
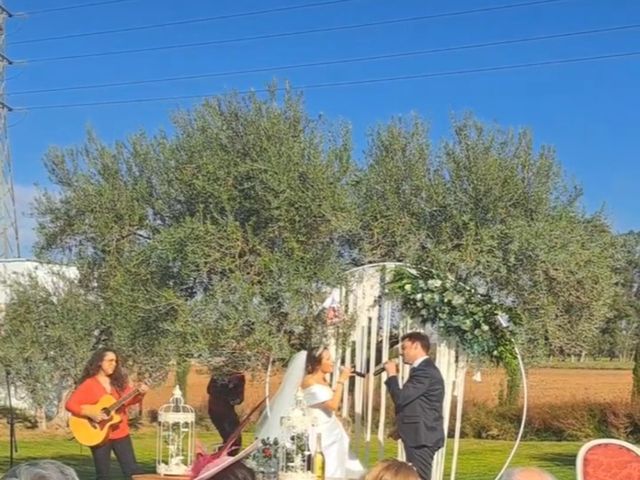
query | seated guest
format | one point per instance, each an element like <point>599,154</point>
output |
<point>392,470</point>
<point>41,470</point>
<point>526,473</point>
<point>235,471</point>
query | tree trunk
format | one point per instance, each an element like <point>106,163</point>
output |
<point>182,372</point>
<point>61,413</point>
<point>41,418</point>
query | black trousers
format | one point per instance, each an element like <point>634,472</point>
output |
<point>421,458</point>
<point>123,448</point>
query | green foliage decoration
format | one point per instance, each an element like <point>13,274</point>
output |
<point>459,312</point>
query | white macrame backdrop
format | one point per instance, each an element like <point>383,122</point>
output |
<point>362,299</point>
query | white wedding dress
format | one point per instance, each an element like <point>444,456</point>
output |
<point>340,462</point>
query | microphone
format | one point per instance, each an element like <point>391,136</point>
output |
<point>394,353</point>
<point>378,370</point>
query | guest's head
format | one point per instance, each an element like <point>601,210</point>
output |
<point>319,360</point>
<point>526,473</point>
<point>391,470</point>
<point>235,471</point>
<point>414,345</point>
<point>41,470</point>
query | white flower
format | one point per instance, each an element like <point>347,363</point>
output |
<point>434,283</point>
<point>457,300</point>
<point>503,318</point>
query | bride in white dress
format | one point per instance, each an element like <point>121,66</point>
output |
<point>323,401</point>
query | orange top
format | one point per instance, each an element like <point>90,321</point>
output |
<point>90,392</point>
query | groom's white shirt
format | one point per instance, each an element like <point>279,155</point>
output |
<point>419,361</point>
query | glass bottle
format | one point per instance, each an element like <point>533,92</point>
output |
<point>318,459</point>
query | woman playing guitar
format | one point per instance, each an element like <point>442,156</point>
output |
<point>102,376</point>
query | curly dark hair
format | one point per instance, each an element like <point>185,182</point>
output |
<point>91,369</point>
<point>314,359</point>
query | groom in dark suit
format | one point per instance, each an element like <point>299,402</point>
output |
<point>418,403</point>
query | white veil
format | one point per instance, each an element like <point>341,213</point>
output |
<point>268,425</point>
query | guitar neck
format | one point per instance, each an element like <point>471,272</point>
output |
<point>123,400</point>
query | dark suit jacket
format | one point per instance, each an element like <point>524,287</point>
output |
<point>419,406</point>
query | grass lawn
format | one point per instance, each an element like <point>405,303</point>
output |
<point>479,459</point>
<point>586,365</point>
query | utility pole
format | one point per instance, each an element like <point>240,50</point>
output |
<point>9,240</point>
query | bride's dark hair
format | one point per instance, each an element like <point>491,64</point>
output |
<point>314,359</point>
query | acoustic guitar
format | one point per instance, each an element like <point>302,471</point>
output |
<point>90,433</point>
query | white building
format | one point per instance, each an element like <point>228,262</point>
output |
<point>20,268</point>
<point>15,268</point>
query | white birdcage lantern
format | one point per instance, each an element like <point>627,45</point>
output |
<point>175,441</point>
<point>294,451</point>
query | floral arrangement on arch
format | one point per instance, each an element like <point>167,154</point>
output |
<point>479,325</point>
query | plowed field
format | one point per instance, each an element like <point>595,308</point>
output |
<point>546,385</point>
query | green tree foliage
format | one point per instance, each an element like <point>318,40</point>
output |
<point>625,322</point>
<point>47,336</point>
<point>489,209</point>
<point>394,193</point>
<point>215,242</point>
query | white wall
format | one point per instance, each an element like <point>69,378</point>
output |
<point>14,269</point>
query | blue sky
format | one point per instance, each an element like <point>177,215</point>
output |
<point>589,111</point>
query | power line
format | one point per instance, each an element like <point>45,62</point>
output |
<point>73,7</point>
<point>190,21</point>
<point>332,62</point>
<point>291,34</point>
<point>19,121</point>
<point>346,83</point>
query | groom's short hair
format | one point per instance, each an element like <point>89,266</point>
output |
<point>417,337</point>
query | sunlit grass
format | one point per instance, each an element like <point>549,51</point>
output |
<point>478,459</point>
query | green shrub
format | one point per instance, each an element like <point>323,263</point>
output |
<point>21,417</point>
<point>578,421</point>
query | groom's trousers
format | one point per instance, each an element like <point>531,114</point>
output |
<point>421,458</point>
